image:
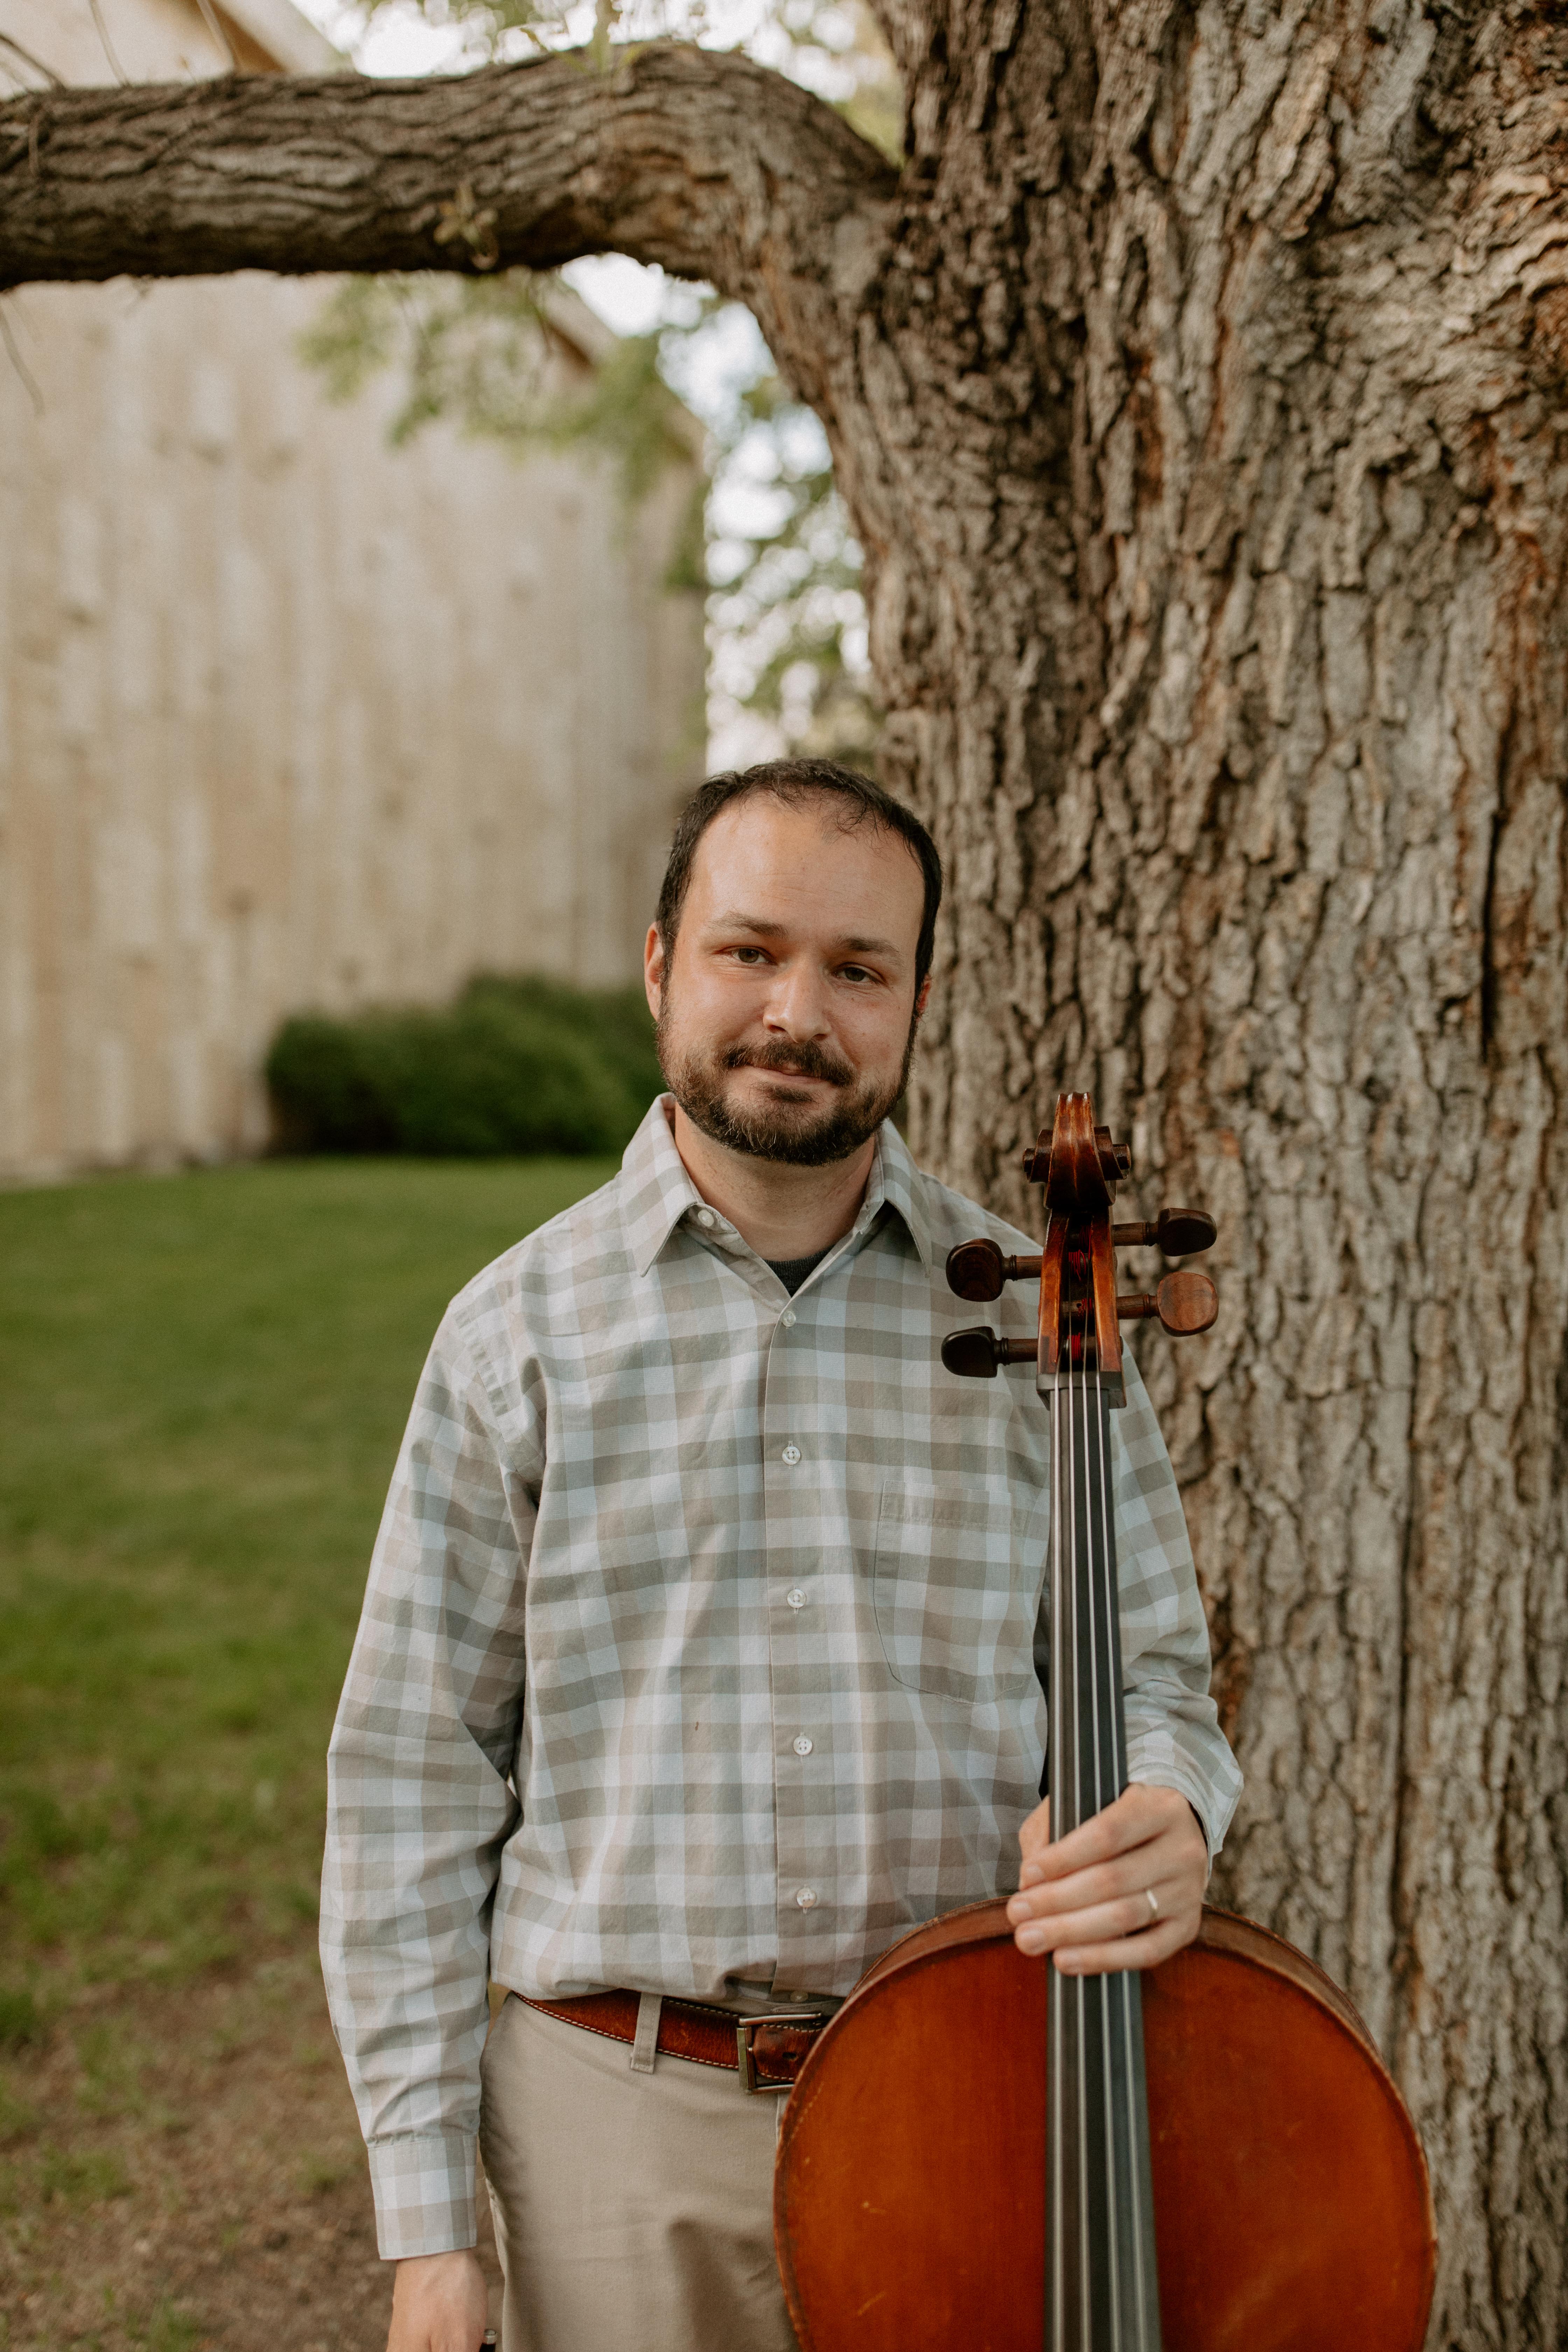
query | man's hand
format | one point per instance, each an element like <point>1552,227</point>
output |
<point>439,2303</point>
<point>1087,1899</point>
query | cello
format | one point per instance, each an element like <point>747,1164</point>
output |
<point>982,2154</point>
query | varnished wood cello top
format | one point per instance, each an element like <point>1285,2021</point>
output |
<point>1294,2210</point>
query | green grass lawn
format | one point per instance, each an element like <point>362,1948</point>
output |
<point>202,1381</point>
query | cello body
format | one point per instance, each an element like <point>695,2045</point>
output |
<point>1292,2210</point>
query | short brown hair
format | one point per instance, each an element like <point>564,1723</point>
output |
<point>792,782</point>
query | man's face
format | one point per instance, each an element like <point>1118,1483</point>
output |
<point>787,1008</point>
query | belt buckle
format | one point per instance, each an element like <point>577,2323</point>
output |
<point>744,2029</point>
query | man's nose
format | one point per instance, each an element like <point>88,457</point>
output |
<point>797,1004</point>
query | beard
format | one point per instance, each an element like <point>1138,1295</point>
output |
<point>799,1134</point>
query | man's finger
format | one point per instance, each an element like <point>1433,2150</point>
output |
<point>1108,1882</point>
<point>1161,1856</point>
<point>1096,1924</point>
<point>1145,1951</point>
<point>1036,1832</point>
<point>1119,1829</point>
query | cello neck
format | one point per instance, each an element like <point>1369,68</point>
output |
<point>1101,2279</point>
<point>1087,1722</point>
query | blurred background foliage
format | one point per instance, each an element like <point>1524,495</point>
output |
<point>528,1065</point>
<point>788,658</point>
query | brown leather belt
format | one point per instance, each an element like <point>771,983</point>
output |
<point>767,2052</point>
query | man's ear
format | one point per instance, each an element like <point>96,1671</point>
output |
<point>922,996</point>
<point>653,967</point>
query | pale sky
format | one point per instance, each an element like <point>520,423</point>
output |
<point>627,297</point>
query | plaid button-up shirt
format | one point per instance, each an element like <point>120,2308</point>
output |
<point>702,1639</point>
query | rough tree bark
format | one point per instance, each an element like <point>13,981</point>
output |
<point>1197,392</point>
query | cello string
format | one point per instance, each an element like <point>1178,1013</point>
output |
<point>1056,2016</point>
<point>1080,1989</point>
<point>1124,1989</point>
<point>1085,2315</point>
<point>1098,1639</point>
<point>1066,1824</point>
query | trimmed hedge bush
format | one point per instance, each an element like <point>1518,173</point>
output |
<point>514,1066</point>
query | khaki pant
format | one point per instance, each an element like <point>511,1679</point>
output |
<point>633,2209</point>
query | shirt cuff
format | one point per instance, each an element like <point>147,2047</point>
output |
<point>424,2187</point>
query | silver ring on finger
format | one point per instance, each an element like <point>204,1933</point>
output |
<point>1154,1902</point>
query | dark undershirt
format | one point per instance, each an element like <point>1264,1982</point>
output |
<point>792,1271</point>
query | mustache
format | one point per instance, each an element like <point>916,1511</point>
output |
<point>805,1060</point>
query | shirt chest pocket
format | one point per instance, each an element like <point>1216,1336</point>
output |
<point>956,1588</point>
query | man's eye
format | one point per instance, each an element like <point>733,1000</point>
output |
<point>750,955</point>
<point>856,972</point>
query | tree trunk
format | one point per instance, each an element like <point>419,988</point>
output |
<point>1217,568</point>
<point>1197,395</point>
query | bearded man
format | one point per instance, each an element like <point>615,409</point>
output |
<point>701,1655</point>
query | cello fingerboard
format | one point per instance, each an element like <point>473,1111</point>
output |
<point>1101,2281</point>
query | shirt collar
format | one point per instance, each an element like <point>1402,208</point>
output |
<point>897,1185</point>
<point>657,1192</point>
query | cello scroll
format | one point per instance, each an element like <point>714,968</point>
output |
<point>1080,1168</point>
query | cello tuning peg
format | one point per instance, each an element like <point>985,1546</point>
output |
<point>1179,1233</point>
<point>971,1354</point>
<point>976,1355</point>
<point>1115,1159</point>
<point>1184,1304</point>
<point>975,1270</point>
<point>1182,1233</point>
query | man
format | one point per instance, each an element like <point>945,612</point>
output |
<point>699,1659</point>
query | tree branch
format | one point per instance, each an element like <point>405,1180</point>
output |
<point>702,162</point>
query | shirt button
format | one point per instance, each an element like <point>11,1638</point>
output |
<point>787,1318</point>
<point>802,1745</point>
<point>705,1216</point>
<point>792,1454</point>
<point>806,1898</point>
<point>795,1597</point>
